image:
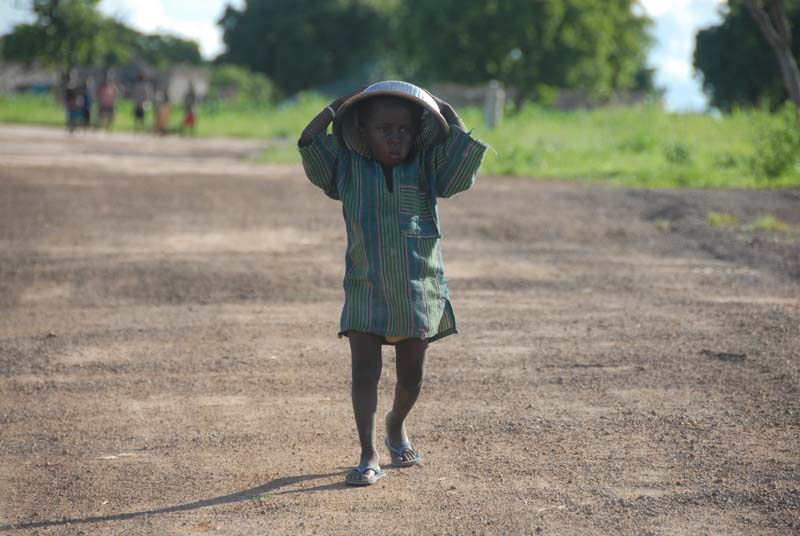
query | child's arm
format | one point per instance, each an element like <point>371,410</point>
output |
<point>323,119</point>
<point>320,151</point>
<point>456,160</point>
<point>449,113</point>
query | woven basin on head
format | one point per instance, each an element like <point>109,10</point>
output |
<point>433,126</point>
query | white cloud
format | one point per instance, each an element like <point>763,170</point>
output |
<point>656,8</point>
<point>11,14</point>
<point>191,20</point>
<point>676,23</point>
<point>676,68</point>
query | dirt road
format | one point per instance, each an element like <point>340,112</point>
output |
<point>169,361</point>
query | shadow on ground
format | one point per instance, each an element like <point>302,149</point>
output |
<point>272,488</point>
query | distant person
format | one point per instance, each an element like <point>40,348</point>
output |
<point>189,111</point>
<point>394,151</point>
<point>162,112</point>
<point>86,103</point>
<point>73,105</point>
<point>141,101</point>
<point>106,101</point>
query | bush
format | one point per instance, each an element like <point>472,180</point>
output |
<point>778,144</point>
<point>638,143</point>
<point>235,83</point>
<point>678,153</point>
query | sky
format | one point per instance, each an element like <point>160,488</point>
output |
<point>676,22</point>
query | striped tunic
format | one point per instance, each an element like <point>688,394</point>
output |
<point>394,282</point>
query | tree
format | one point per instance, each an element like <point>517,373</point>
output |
<point>300,44</point>
<point>736,63</point>
<point>66,33</point>
<point>592,45</point>
<point>237,83</point>
<point>159,50</point>
<point>777,31</point>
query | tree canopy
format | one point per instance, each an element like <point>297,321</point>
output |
<point>301,44</point>
<point>736,62</point>
<point>597,46</point>
<point>67,33</point>
<point>594,46</point>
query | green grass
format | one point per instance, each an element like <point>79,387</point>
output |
<point>632,146</point>
<point>721,219</point>
<point>768,222</point>
<point>765,222</point>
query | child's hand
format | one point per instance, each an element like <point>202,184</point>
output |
<point>323,119</point>
<point>447,111</point>
<point>338,102</point>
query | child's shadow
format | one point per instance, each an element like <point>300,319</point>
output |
<point>270,489</point>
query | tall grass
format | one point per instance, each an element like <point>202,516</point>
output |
<point>642,146</point>
<point>634,146</point>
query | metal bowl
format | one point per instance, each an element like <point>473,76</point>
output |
<point>433,127</point>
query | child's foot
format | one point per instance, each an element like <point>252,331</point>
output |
<point>367,473</point>
<point>402,452</point>
<point>395,432</point>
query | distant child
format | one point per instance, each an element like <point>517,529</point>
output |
<point>141,101</point>
<point>395,150</point>
<point>163,112</point>
<point>86,94</point>
<point>73,104</point>
<point>107,102</point>
<point>189,111</point>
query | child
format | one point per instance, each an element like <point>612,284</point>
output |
<point>141,101</point>
<point>189,111</point>
<point>73,102</point>
<point>394,151</point>
<point>163,112</point>
<point>107,101</point>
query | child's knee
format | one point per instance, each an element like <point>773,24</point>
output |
<point>366,371</point>
<point>411,380</point>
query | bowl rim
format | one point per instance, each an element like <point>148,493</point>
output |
<point>389,88</point>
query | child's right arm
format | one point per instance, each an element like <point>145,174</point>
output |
<point>320,151</point>
<point>323,119</point>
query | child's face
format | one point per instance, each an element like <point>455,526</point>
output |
<point>389,129</point>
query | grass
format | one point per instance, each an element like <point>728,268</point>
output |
<point>722,219</point>
<point>633,146</point>
<point>768,222</point>
<point>765,222</point>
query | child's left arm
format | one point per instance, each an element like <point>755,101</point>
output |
<point>456,160</point>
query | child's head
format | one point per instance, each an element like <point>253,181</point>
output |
<point>389,126</point>
<point>358,118</point>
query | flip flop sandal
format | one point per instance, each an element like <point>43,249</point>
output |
<point>399,454</point>
<point>356,476</point>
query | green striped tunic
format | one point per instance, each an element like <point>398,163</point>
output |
<point>394,281</point>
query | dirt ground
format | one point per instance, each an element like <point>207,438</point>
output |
<point>169,362</point>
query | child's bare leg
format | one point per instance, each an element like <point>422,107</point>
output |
<point>365,350</point>
<point>410,370</point>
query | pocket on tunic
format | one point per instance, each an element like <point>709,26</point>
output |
<point>416,213</point>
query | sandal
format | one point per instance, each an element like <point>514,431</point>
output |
<point>403,456</point>
<point>356,476</point>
